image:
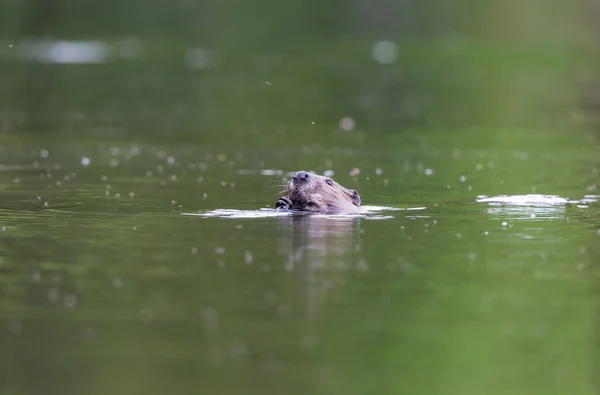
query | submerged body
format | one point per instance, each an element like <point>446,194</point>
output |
<point>318,194</point>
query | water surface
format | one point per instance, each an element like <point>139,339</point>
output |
<point>164,268</point>
<point>143,148</point>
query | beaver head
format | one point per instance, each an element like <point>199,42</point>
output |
<point>314,193</point>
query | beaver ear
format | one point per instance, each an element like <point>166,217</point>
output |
<point>354,196</point>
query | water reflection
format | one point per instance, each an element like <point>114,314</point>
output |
<point>321,250</point>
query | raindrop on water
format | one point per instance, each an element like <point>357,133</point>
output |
<point>70,301</point>
<point>384,52</point>
<point>117,282</point>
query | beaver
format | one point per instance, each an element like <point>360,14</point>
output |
<point>313,193</point>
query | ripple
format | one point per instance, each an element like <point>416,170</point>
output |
<point>367,212</point>
<point>533,207</point>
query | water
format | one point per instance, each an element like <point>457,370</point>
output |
<point>163,267</point>
<point>141,158</point>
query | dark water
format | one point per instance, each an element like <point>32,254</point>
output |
<point>141,156</point>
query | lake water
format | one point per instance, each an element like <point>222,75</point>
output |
<point>118,275</point>
<point>140,163</point>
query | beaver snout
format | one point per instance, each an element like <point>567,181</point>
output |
<point>300,176</point>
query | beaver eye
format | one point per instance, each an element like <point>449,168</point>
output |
<point>329,181</point>
<point>312,204</point>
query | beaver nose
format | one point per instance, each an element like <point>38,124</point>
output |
<point>300,176</point>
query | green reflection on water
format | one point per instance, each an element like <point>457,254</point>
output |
<point>121,293</point>
<point>106,288</point>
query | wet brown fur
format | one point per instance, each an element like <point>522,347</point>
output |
<point>321,194</point>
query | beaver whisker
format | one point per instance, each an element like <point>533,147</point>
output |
<point>278,181</point>
<point>275,189</point>
<point>276,185</point>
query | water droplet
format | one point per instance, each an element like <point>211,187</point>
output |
<point>347,124</point>
<point>237,350</point>
<point>70,301</point>
<point>52,295</point>
<point>362,265</point>
<point>36,276</point>
<point>117,282</point>
<point>199,58</point>
<point>384,52</point>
